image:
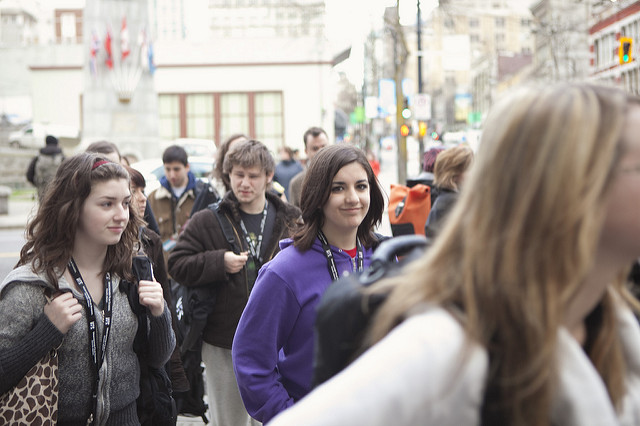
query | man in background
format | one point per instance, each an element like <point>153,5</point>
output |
<point>315,138</point>
<point>286,169</point>
<point>179,196</point>
<point>224,247</point>
<point>43,167</point>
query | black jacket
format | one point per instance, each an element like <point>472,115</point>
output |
<point>198,259</point>
<point>441,208</point>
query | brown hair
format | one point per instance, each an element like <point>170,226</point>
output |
<point>249,153</point>
<point>51,233</point>
<point>103,147</point>
<point>137,179</point>
<point>316,190</point>
<point>313,132</point>
<point>222,153</point>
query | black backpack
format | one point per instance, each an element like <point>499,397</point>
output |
<point>192,306</point>
<point>205,194</point>
<point>345,311</point>
<point>156,406</point>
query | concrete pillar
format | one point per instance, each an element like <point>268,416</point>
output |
<point>5,192</point>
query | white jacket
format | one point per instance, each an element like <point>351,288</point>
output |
<point>426,372</point>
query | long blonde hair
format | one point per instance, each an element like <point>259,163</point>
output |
<point>520,241</point>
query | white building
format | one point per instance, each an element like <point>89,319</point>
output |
<point>220,68</point>
<point>561,30</point>
<point>456,37</point>
<point>264,70</point>
<point>610,22</point>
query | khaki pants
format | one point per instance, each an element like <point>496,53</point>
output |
<point>225,404</point>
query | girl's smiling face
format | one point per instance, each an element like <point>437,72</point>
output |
<point>348,201</point>
<point>105,213</point>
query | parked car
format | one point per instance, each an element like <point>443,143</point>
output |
<point>152,170</point>
<point>195,147</point>
<point>33,135</point>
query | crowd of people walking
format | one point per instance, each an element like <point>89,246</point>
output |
<point>519,312</point>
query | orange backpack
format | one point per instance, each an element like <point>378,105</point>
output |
<point>409,209</point>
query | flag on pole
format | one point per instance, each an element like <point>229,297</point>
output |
<point>95,46</point>
<point>152,67</point>
<point>124,40</point>
<point>107,49</point>
<point>142,46</point>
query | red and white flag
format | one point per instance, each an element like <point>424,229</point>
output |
<point>142,45</point>
<point>125,48</point>
<point>95,46</point>
<point>107,48</point>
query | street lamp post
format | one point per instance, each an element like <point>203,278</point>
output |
<point>400,55</point>
<point>420,85</point>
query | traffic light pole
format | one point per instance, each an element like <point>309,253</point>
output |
<point>400,60</point>
<point>420,85</point>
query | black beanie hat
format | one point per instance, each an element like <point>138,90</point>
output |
<point>51,140</point>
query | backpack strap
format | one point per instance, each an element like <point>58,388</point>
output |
<point>379,239</point>
<point>205,194</point>
<point>226,226</point>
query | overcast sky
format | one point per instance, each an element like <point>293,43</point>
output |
<point>351,20</point>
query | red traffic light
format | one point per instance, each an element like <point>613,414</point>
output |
<point>405,130</point>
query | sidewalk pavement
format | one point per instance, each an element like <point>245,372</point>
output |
<point>20,211</point>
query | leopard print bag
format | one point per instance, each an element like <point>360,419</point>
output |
<point>34,400</point>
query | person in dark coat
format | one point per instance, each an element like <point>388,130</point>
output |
<point>152,248</point>
<point>286,169</point>
<point>43,167</point>
<point>449,170</point>
<point>204,256</point>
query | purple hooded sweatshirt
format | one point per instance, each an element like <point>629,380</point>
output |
<point>273,345</point>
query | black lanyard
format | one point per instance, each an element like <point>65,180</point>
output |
<point>255,249</point>
<point>92,323</point>
<point>331,263</point>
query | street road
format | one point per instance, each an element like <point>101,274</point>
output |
<point>11,241</point>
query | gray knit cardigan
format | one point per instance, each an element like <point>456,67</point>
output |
<point>26,334</point>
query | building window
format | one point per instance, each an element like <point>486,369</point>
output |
<point>234,113</point>
<point>474,23</point>
<point>169,116</point>
<point>268,118</point>
<point>216,116</point>
<point>68,25</point>
<point>499,22</point>
<point>199,113</point>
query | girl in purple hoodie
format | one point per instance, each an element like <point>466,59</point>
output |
<point>273,346</point>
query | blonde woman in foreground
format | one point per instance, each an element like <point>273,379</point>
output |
<point>518,314</point>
